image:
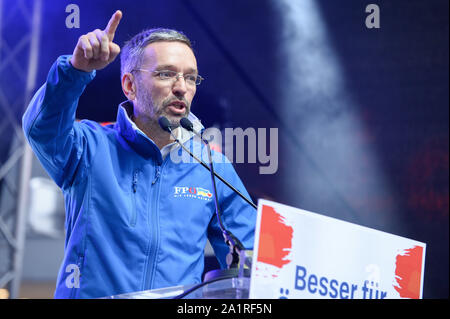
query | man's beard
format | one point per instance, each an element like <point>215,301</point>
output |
<point>153,112</point>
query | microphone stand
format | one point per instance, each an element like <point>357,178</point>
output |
<point>236,258</point>
<point>233,243</point>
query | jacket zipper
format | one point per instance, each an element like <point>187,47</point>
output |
<point>157,173</point>
<point>133,199</point>
<point>154,242</point>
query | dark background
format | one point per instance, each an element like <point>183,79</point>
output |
<point>397,77</point>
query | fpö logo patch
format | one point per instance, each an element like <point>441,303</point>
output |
<point>192,192</point>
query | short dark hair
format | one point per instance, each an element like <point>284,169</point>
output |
<point>132,52</point>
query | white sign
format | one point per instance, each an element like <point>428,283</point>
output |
<point>299,254</point>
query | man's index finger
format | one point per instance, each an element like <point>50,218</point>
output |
<point>112,24</point>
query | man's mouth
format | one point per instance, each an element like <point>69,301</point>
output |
<point>177,107</point>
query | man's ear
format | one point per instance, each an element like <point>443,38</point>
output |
<point>129,86</point>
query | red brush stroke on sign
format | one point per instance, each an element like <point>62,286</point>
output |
<point>275,239</point>
<point>408,271</point>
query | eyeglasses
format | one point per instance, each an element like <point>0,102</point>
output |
<point>168,75</point>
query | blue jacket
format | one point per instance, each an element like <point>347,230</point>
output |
<point>134,220</point>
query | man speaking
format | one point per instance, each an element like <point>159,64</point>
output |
<point>135,219</point>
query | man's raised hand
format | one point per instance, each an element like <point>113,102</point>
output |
<point>96,49</point>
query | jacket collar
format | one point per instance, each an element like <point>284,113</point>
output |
<point>140,142</point>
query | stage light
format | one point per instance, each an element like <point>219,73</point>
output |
<point>335,171</point>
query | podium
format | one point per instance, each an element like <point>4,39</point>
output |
<point>300,254</point>
<point>228,288</point>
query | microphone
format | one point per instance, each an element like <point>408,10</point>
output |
<point>237,250</point>
<point>185,123</point>
<point>164,123</point>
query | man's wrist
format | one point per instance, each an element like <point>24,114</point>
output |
<point>65,63</point>
<point>78,69</point>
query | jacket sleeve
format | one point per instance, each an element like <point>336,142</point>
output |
<point>49,122</point>
<point>237,215</point>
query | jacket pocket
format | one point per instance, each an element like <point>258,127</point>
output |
<point>133,215</point>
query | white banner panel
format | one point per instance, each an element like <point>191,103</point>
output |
<point>300,254</point>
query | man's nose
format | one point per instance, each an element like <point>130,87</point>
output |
<point>179,86</point>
